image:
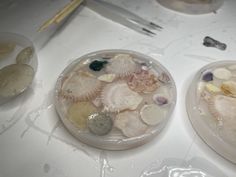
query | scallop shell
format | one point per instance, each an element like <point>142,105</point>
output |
<point>14,79</point>
<point>222,73</point>
<point>121,65</point>
<point>143,82</point>
<point>118,97</point>
<point>130,124</point>
<point>222,107</point>
<point>153,114</point>
<point>78,113</point>
<point>229,88</point>
<point>80,86</point>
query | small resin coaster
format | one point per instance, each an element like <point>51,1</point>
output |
<point>211,106</point>
<point>115,99</point>
<point>193,7</point>
<point>18,64</point>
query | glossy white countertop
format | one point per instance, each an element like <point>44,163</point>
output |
<point>33,141</point>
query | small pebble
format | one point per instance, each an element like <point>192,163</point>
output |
<point>160,100</point>
<point>100,124</point>
<point>207,77</point>
<point>210,42</point>
<point>97,65</point>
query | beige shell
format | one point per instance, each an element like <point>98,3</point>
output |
<point>222,107</point>
<point>130,124</point>
<point>153,114</point>
<point>121,65</point>
<point>229,88</point>
<point>80,86</point>
<point>222,73</point>
<point>107,77</point>
<point>118,97</point>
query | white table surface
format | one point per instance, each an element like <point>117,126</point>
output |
<point>33,141</point>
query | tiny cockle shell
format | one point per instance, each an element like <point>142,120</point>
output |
<point>107,77</point>
<point>222,73</point>
<point>212,88</point>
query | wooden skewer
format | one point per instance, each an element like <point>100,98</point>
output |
<point>70,7</point>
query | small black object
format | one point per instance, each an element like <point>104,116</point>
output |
<point>210,42</point>
<point>97,65</point>
<point>207,77</point>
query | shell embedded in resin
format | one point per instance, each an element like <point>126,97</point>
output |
<point>25,55</point>
<point>6,48</point>
<point>143,81</point>
<point>117,97</point>
<point>130,124</point>
<point>222,73</point>
<point>222,107</point>
<point>80,86</point>
<point>229,88</point>
<point>153,114</point>
<point>78,113</point>
<point>121,65</point>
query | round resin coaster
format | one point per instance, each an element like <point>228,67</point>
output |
<point>115,99</point>
<point>18,64</point>
<point>211,106</point>
<point>193,7</point>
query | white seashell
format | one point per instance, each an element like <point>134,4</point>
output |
<point>222,73</point>
<point>201,86</point>
<point>130,124</point>
<point>14,79</point>
<point>80,86</point>
<point>121,65</point>
<point>107,77</point>
<point>118,97</point>
<point>153,114</point>
<point>223,107</point>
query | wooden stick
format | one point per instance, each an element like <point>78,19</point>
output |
<point>70,7</point>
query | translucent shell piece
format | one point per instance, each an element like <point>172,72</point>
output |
<point>14,79</point>
<point>80,86</point>
<point>130,124</point>
<point>143,81</point>
<point>121,65</point>
<point>229,88</point>
<point>78,113</point>
<point>107,77</point>
<point>118,97</point>
<point>153,114</point>
<point>212,88</point>
<point>25,55</point>
<point>6,48</point>
<point>222,73</point>
<point>222,107</point>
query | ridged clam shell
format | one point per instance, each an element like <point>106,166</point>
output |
<point>121,65</point>
<point>118,97</point>
<point>80,86</point>
<point>229,88</point>
<point>222,107</point>
<point>130,124</point>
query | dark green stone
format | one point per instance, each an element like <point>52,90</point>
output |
<point>97,65</point>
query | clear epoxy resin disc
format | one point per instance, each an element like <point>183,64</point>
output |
<point>115,99</point>
<point>18,65</point>
<point>193,7</point>
<point>211,106</point>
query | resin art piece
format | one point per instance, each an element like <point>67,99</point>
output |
<point>18,64</point>
<point>115,99</point>
<point>211,105</point>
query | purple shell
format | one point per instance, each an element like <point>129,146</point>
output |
<point>160,100</point>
